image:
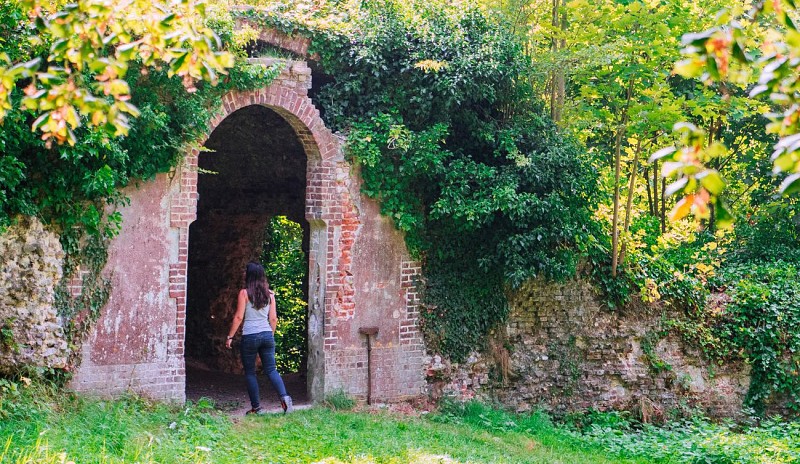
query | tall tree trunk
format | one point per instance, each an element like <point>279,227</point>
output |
<point>663,206</point>
<point>621,130</point>
<point>557,78</point>
<point>629,205</point>
<point>711,134</point>
<point>647,187</point>
<point>655,190</point>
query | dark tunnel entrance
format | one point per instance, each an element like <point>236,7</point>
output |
<point>252,177</point>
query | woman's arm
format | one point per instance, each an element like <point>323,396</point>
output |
<point>238,317</point>
<point>273,312</point>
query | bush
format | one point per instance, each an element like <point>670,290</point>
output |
<point>764,322</point>
<point>701,441</point>
<point>286,267</point>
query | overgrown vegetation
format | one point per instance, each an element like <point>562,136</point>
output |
<point>461,158</point>
<point>508,141</point>
<point>74,188</point>
<point>38,424</point>
<point>694,440</point>
<point>611,73</point>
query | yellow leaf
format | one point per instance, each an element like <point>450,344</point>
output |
<point>682,208</point>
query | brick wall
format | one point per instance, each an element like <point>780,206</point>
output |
<point>137,343</point>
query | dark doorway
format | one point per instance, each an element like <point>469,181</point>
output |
<point>255,170</point>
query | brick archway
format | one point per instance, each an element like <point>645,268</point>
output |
<point>356,256</point>
<point>329,211</point>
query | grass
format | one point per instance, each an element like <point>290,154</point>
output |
<point>335,436</point>
<point>42,425</point>
<point>698,440</point>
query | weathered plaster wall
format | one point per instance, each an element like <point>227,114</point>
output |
<point>30,269</point>
<point>567,353</point>
<point>380,287</point>
<point>137,344</point>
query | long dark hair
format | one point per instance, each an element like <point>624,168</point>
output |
<point>257,285</point>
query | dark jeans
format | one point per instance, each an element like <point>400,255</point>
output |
<point>263,345</point>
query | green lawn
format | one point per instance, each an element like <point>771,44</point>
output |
<point>47,427</point>
<point>329,436</point>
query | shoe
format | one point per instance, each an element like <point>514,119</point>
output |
<point>286,404</point>
<point>259,410</point>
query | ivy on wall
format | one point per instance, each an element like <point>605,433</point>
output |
<point>744,308</point>
<point>488,193</point>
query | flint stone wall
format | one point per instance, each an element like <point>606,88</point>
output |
<point>30,270</point>
<point>563,351</point>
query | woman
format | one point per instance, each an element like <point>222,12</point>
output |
<point>256,306</point>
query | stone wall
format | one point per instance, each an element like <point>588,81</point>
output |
<point>560,349</point>
<point>31,334</point>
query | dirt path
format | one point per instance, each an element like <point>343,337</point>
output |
<point>230,394</point>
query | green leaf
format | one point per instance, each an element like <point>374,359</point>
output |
<point>697,39</point>
<point>689,68</point>
<point>790,185</point>
<point>722,216</point>
<point>785,162</point>
<point>663,153</point>
<point>711,67</point>
<point>738,52</point>
<point>712,181</point>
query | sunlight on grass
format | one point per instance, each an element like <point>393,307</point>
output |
<point>52,427</point>
<point>419,458</point>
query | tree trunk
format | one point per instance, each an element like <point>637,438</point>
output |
<point>655,190</point>
<point>629,205</point>
<point>617,163</point>
<point>649,193</point>
<point>663,206</point>
<point>557,78</point>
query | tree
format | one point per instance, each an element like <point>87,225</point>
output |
<point>623,95</point>
<point>80,52</point>
<point>763,41</point>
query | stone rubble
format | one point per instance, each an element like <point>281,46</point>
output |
<point>31,333</point>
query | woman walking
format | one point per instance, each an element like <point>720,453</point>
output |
<point>256,306</point>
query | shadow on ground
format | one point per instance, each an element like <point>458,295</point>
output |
<point>229,393</point>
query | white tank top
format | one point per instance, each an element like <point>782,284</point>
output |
<point>256,320</point>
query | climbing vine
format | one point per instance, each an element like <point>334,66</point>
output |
<point>85,257</point>
<point>763,321</point>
